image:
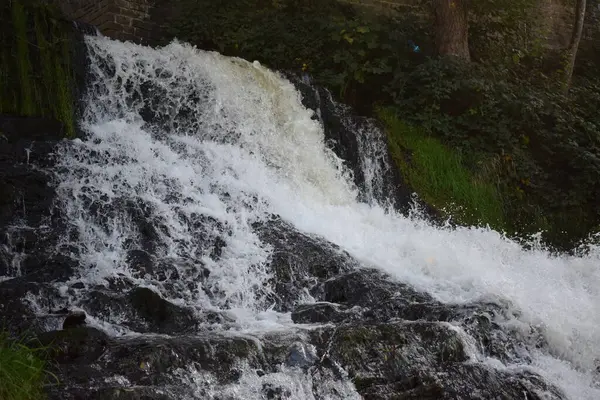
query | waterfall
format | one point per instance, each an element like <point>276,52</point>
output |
<point>187,153</point>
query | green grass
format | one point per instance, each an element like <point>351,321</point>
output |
<point>22,371</point>
<point>440,177</point>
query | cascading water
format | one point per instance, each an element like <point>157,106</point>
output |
<point>187,152</point>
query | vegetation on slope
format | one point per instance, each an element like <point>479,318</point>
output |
<point>438,174</point>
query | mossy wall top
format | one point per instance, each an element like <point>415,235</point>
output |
<point>36,77</point>
<point>117,19</point>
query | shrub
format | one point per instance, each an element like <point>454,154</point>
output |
<point>350,53</point>
<point>545,146</point>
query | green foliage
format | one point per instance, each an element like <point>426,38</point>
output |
<point>282,32</point>
<point>35,71</point>
<point>544,146</point>
<point>22,371</point>
<point>365,54</point>
<point>506,31</point>
<point>439,175</point>
<point>349,53</point>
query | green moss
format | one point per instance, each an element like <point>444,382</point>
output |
<point>22,371</point>
<point>439,176</point>
<point>4,73</point>
<point>19,18</point>
<point>64,110</point>
<point>36,49</point>
<point>46,57</point>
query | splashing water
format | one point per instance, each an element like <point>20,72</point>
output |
<point>230,140</point>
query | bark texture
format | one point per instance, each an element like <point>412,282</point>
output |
<point>452,28</point>
<point>574,44</point>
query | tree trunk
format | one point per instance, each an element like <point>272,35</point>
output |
<point>452,28</point>
<point>574,45</point>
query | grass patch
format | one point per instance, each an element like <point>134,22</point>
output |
<point>440,177</point>
<point>22,371</point>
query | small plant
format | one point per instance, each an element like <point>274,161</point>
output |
<point>22,370</point>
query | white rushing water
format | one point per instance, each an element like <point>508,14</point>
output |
<point>243,147</point>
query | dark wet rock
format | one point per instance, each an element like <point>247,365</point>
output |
<point>18,315</point>
<point>140,262</point>
<point>30,225</point>
<point>323,313</point>
<point>159,314</point>
<point>458,382</point>
<point>80,345</point>
<point>39,267</point>
<point>142,310</point>
<point>146,222</point>
<point>176,276</point>
<point>393,347</point>
<point>114,393</point>
<point>217,250</point>
<point>26,151</point>
<point>381,298</point>
<point>187,272</point>
<point>379,293</point>
<point>74,319</point>
<point>299,262</point>
<point>419,360</point>
<point>273,392</point>
<point>301,355</point>
<point>155,362</point>
<point>15,314</point>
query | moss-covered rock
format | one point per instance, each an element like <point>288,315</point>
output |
<point>396,348</point>
<point>419,360</point>
<point>37,72</point>
<point>76,345</point>
<point>299,262</point>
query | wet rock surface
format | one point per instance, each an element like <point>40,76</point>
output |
<point>142,310</point>
<point>299,262</point>
<point>353,323</point>
<point>420,360</point>
<point>342,129</point>
<point>30,227</point>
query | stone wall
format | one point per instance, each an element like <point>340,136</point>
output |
<point>118,19</point>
